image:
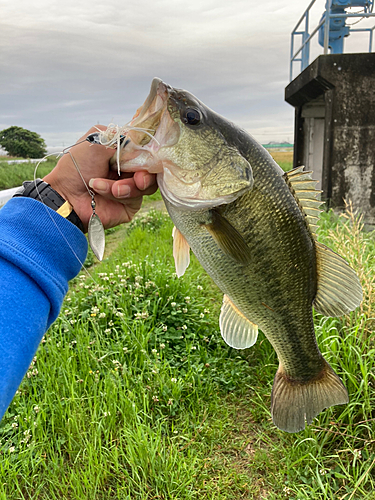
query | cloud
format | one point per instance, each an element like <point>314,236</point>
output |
<point>68,65</point>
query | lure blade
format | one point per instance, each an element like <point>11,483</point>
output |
<point>96,236</point>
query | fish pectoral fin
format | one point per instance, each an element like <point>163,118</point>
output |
<point>339,290</point>
<point>237,331</point>
<point>181,252</point>
<point>228,238</point>
<point>295,403</point>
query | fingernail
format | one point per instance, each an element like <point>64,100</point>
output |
<point>98,185</point>
<point>123,191</point>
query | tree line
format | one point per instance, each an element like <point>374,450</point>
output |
<point>22,143</point>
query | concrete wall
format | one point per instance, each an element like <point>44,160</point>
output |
<point>334,100</point>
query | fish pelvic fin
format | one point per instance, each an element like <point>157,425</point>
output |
<point>228,238</point>
<point>237,331</point>
<point>295,403</point>
<point>339,289</point>
<point>181,252</point>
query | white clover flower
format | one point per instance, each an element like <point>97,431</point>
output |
<point>199,287</point>
<point>14,425</point>
<point>170,402</point>
<point>154,351</point>
<point>155,399</point>
<point>125,349</point>
<point>36,409</point>
<point>184,310</point>
<point>187,300</point>
<point>173,304</point>
<point>206,311</point>
<point>102,315</point>
<point>12,449</point>
<point>174,380</point>
<point>162,346</point>
<point>164,328</point>
<point>201,315</point>
<point>183,327</point>
<point>107,330</point>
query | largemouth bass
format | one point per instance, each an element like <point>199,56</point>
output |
<point>252,227</point>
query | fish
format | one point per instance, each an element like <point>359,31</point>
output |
<point>253,229</point>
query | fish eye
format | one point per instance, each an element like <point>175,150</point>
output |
<point>191,116</point>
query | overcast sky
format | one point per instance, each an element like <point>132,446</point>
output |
<point>67,65</point>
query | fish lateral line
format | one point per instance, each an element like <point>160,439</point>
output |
<point>268,307</point>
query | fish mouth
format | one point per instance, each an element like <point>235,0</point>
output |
<point>186,176</point>
<point>150,129</point>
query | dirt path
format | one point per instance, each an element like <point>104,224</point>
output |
<point>115,238</point>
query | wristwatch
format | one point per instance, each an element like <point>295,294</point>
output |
<point>41,191</point>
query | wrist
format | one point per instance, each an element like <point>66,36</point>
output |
<point>46,194</point>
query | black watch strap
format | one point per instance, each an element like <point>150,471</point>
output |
<point>41,191</point>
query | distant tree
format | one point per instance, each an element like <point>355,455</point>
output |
<point>20,142</point>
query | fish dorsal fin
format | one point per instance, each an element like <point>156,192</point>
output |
<point>181,252</point>
<point>236,329</point>
<point>339,290</point>
<point>302,186</point>
<point>228,238</point>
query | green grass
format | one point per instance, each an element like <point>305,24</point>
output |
<point>133,394</point>
<point>15,174</point>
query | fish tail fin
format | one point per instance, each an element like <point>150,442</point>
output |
<point>294,403</point>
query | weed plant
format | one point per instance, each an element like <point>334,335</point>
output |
<point>133,394</point>
<point>14,175</point>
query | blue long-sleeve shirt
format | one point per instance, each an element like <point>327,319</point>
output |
<point>40,252</point>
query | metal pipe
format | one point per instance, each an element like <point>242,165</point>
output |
<point>309,38</point>
<point>326,26</point>
<point>303,15</point>
<point>358,14</point>
<point>291,57</point>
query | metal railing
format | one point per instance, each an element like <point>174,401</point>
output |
<point>304,50</point>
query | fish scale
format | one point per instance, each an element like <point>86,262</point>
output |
<point>252,228</point>
<point>270,278</point>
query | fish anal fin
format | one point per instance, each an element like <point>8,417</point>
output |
<point>295,403</point>
<point>237,331</point>
<point>181,252</point>
<point>228,238</point>
<point>339,290</point>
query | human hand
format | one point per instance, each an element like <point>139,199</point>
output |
<point>117,199</point>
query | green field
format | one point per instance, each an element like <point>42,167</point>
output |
<point>13,175</point>
<point>134,395</point>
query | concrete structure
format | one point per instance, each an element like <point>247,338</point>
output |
<point>334,100</point>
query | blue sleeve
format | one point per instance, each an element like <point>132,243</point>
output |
<point>40,252</point>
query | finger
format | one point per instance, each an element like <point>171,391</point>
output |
<point>143,180</point>
<point>121,190</point>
